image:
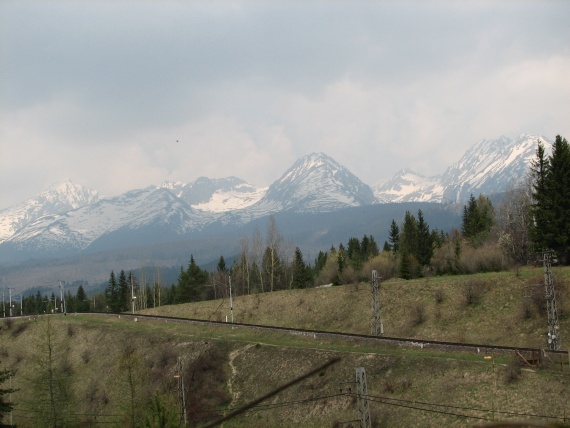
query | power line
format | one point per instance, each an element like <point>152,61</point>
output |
<point>424,403</point>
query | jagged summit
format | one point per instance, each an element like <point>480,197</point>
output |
<point>58,198</point>
<point>489,166</point>
<point>68,218</point>
<point>317,182</point>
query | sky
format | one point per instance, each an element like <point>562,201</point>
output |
<point>116,95</point>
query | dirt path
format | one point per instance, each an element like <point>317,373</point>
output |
<point>233,355</point>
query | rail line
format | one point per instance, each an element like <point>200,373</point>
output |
<point>385,340</point>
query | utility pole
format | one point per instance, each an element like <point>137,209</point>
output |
<point>10,302</point>
<point>3,306</point>
<point>132,294</point>
<point>231,301</point>
<point>362,398</point>
<point>554,338</point>
<point>21,305</point>
<point>377,324</point>
<point>61,297</point>
<point>181,394</point>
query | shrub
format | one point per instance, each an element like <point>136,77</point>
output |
<point>454,257</point>
<point>19,329</point>
<point>439,295</point>
<point>512,371</point>
<point>206,379</point>
<point>385,264</point>
<point>488,258</point>
<point>473,291</point>
<point>418,314</point>
<point>8,323</point>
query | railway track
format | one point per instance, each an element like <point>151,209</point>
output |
<point>484,349</point>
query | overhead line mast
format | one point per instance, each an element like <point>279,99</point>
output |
<point>554,339</point>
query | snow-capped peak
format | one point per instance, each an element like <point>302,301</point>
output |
<point>58,198</point>
<point>317,182</point>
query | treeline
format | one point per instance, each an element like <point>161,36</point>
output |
<point>532,217</point>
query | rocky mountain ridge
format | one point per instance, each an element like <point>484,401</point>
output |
<point>69,219</point>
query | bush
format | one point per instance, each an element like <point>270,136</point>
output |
<point>488,258</point>
<point>439,295</point>
<point>454,257</point>
<point>8,323</point>
<point>512,371</point>
<point>19,329</point>
<point>418,314</point>
<point>473,291</point>
<point>385,264</point>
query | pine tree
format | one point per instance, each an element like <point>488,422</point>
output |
<point>540,208</point>
<point>82,300</point>
<point>405,265</point>
<point>124,293</point>
<point>301,273</point>
<point>5,406</point>
<point>320,261</point>
<point>222,265</point>
<point>425,243</point>
<point>112,294</point>
<point>551,208</point>
<point>190,283</point>
<point>409,235</point>
<point>477,220</point>
<point>354,253</point>
<point>394,236</point>
<point>368,247</point>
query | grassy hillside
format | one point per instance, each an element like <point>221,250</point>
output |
<point>484,309</point>
<point>116,371</point>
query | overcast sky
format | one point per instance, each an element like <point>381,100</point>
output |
<point>116,95</point>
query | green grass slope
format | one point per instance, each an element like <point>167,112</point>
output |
<point>495,308</point>
<point>114,371</point>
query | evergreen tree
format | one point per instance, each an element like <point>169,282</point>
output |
<point>551,209</point>
<point>320,261</point>
<point>394,236</point>
<point>368,247</point>
<point>190,283</point>
<point>405,272</point>
<point>39,303</point>
<point>477,220</point>
<point>5,406</point>
<point>301,273</point>
<point>124,293</point>
<point>409,235</point>
<point>425,243</point>
<point>82,300</point>
<point>112,294</point>
<point>540,208</point>
<point>354,253</point>
<point>222,265</point>
<point>341,258</point>
<point>386,247</point>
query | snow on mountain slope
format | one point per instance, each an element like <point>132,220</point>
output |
<point>317,183</point>
<point>488,167</point>
<point>491,166</point>
<point>133,210</point>
<point>59,198</point>
<point>404,185</point>
<point>217,195</point>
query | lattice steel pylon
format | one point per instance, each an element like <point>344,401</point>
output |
<point>554,339</point>
<point>376,324</point>
<point>362,399</point>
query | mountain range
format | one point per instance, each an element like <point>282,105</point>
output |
<point>68,219</point>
